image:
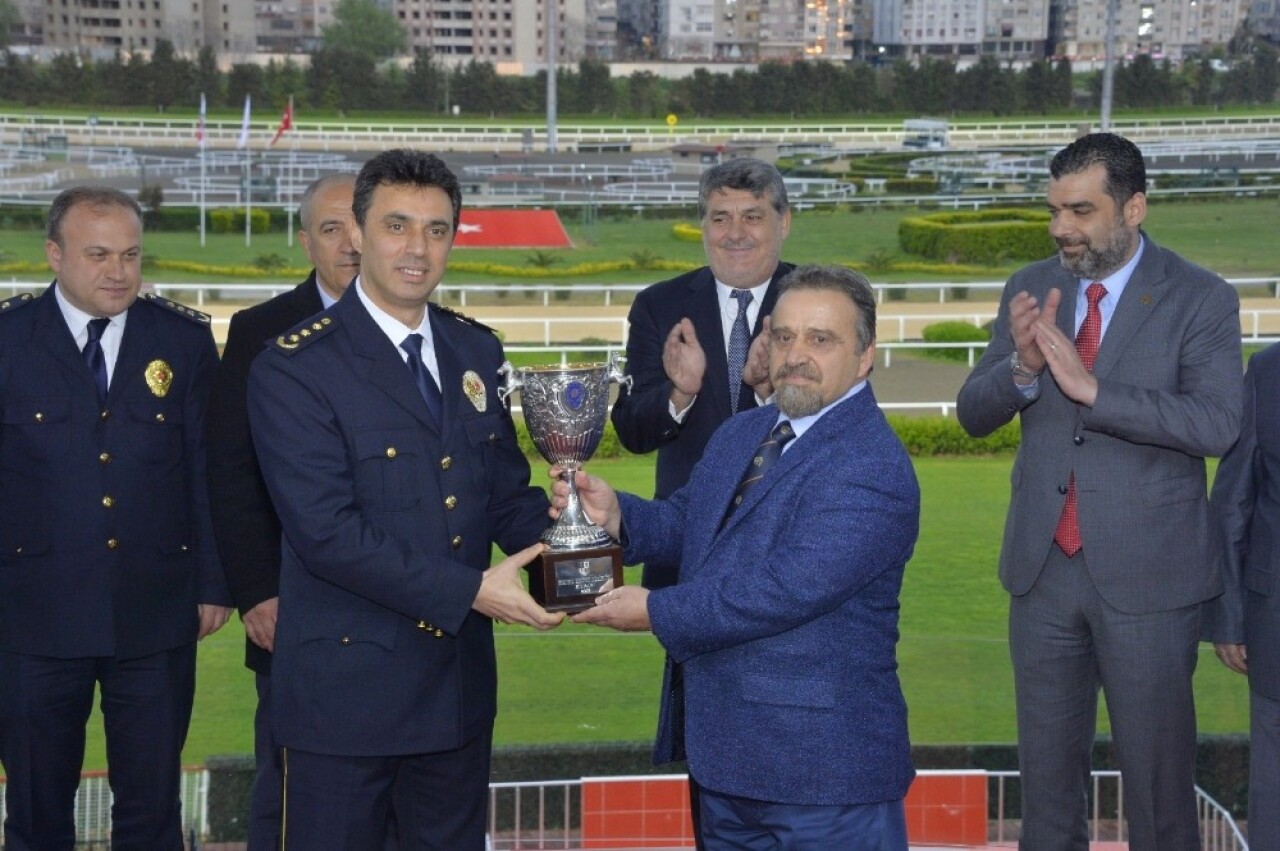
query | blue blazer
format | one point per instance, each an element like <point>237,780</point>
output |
<point>1246,502</point>
<point>642,417</point>
<point>388,525</point>
<point>106,547</point>
<point>785,620</point>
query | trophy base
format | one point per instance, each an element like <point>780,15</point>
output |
<point>570,580</point>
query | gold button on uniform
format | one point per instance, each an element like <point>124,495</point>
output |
<point>112,544</point>
<point>104,458</point>
<point>451,502</point>
<point>446,462</point>
<point>391,452</point>
<point>159,418</point>
<point>106,415</point>
<point>39,417</point>
<point>107,502</point>
<point>346,639</point>
<point>424,626</point>
<point>456,542</point>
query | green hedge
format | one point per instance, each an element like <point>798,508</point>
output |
<point>923,436</point>
<point>911,186</point>
<point>231,220</point>
<point>984,236</point>
<point>952,332</point>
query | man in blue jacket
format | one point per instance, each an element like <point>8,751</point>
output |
<point>108,572</point>
<point>792,536</point>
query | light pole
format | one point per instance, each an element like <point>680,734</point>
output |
<point>551,21</point>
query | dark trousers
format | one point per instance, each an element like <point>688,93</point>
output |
<point>264,798</point>
<point>435,802</point>
<point>1066,642</point>
<point>44,707</point>
<point>730,823</point>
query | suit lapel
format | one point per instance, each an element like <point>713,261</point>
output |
<point>449,366</point>
<point>1141,295</point>
<point>704,312</point>
<point>384,367</point>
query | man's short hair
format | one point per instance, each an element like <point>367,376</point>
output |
<point>746,174</point>
<point>98,197</point>
<point>304,208</point>
<point>405,167</point>
<point>839,279</point>
<point>1126,172</point>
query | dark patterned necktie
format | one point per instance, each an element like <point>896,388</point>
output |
<point>422,376</point>
<point>1088,338</point>
<point>766,455</point>
<point>739,343</point>
<point>94,356</point>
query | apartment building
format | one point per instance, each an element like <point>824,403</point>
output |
<point>1007,29</point>
<point>742,30</point>
<point>509,31</point>
<point>106,26</point>
<point>1173,29</point>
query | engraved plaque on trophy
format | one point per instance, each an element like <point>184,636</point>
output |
<point>565,408</point>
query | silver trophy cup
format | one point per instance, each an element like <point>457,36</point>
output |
<point>565,408</point>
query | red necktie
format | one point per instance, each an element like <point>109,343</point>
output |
<point>1067,535</point>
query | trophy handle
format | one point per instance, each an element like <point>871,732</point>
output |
<point>510,381</point>
<point>616,374</point>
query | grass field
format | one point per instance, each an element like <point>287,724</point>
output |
<point>580,684</point>
<point>1235,238</point>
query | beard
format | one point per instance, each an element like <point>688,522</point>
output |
<point>1097,262</point>
<point>793,400</point>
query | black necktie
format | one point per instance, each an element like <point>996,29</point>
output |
<point>94,357</point>
<point>766,455</point>
<point>422,376</point>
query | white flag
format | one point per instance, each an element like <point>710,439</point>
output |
<point>200,134</point>
<point>244,126</point>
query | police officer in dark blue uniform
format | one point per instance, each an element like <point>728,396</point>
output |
<point>394,468</point>
<point>108,574</point>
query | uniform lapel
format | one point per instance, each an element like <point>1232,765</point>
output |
<point>136,346</point>
<point>59,342</point>
<point>385,368</point>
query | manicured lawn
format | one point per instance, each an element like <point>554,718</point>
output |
<point>583,684</point>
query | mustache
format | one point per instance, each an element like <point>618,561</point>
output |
<point>801,370</point>
<point>1064,242</point>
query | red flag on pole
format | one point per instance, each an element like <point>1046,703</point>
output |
<point>286,122</point>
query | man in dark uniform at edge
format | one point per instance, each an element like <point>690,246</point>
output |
<point>245,524</point>
<point>108,571</point>
<point>682,339</point>
<point>394,469</point>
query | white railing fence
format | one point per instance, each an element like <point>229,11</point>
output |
<point>547,814</point>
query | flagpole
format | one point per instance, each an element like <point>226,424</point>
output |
<point>200,152</point>
<point>293,161</point>
<point>248,170</point>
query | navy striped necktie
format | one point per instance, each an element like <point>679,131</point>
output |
<point>766,455</point>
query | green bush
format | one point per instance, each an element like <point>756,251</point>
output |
<point>926,436</point>
<point>952,332</point>
<point>231,220</point>
<point>986,236</point>
<point>911,186</point>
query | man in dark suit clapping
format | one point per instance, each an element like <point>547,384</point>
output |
<point>245,524</point>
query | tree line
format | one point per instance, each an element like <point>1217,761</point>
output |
<point>350,81</point>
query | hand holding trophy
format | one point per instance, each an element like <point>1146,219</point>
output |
<point>565,408</point>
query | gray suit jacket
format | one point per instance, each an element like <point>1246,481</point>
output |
<point>1168,374</point>
<point>1246,501</point>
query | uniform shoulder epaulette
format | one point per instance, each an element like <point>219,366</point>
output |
<point>177,307</point>
<point>462,317</point>
<point>304,334</point>
<point>14,302</point>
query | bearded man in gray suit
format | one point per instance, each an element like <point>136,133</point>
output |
<point>1122,361</point>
